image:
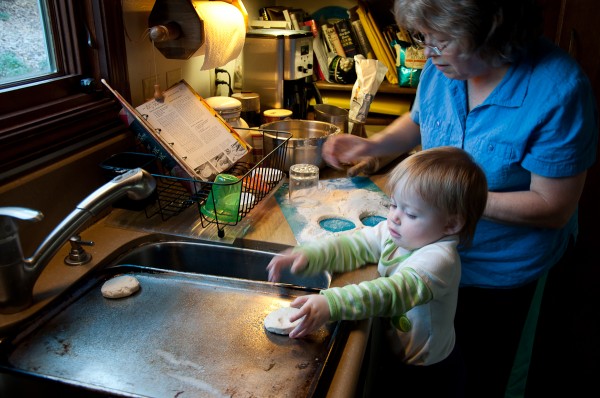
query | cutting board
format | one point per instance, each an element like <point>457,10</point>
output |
<point>338,206</point>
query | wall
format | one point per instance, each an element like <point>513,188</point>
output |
<point>78,175</point>
<point>144,62</point>
<point>57,188</point>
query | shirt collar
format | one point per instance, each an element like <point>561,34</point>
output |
<point>511,90</point>
<point>513,87</point>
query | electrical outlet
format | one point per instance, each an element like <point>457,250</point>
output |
<point>148,87</point>
<point>173,77</point>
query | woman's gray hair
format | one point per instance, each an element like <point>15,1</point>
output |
<point>498,31</point>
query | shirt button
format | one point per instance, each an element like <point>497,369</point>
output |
<point>490,148</point>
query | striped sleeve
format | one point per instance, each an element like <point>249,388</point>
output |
<point>340,254</point>
<point>384,296</point>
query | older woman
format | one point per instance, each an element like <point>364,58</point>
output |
<point>525,111</point>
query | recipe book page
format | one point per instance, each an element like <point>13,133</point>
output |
<point>193,132</point>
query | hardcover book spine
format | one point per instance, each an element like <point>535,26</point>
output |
<point>382,51</point>
<point>360,34</point>
<point>154,147</point>
<point>313,27</point>
<point>344,31</point>
<point>317,37</point>
<point>333,40</point>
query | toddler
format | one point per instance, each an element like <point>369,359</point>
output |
<point>437,197</point>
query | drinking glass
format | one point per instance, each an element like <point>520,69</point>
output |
<point>304,179</point>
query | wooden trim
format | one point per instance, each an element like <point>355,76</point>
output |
<point>385,87</point>
<point>51,119</point>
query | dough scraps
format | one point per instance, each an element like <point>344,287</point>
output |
<point>278,321</point>
<point>120,286</point>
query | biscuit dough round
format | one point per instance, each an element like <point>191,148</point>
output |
<point>278,321</point>
<point>120,286</point>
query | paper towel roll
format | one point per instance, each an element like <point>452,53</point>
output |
<point>224,33</point>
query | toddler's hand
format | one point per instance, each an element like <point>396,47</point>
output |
<point>315,309</point>
<point>296,261</point>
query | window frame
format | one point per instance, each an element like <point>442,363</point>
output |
<point>52,117</point>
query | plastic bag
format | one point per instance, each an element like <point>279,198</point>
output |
<point>410,61</point>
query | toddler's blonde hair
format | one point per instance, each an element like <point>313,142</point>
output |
<point>448,179</point>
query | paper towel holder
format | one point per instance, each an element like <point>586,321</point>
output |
<point>177,30</point>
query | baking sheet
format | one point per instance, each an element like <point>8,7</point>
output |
<point>301,221</point>
<point>180,335</point>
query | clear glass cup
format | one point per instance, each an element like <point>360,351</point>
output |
<point>303,180</point>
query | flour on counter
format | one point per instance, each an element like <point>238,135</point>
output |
<point>325,203</point>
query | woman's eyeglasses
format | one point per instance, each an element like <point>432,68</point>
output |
<point>419,39</point>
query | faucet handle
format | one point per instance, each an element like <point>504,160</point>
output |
<point>7,225</point>
<point>22,213</point>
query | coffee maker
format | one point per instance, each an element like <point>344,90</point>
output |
<point>278,65</point>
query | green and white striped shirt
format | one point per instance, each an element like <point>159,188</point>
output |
<point>417,290</point>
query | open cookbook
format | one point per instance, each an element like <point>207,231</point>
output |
<point>184,128</point>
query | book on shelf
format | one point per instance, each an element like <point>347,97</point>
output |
<point>288,20</point>
<point>344,31</point>
<point>333,40</point>
<point>389,35</point>
<point>403,35</point>
<point>364,47</point>
<point>314,28</point>
<point>319,52</point>
<point>382,50</point>
<point>272,13</point>
<point>187,130</point>
<point>291,19</point>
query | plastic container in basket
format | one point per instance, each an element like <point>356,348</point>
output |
<point>255,181</point>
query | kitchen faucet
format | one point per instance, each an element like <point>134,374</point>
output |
<point>18,274</point>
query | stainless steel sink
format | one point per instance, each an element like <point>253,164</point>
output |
<point>217,260</point>
<point>181,333</point>
<point>200,304</point>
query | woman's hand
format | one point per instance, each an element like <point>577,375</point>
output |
<point>286,259</point>
<point>343,150</point>
<point>362,155</point>
<point>315,309</point>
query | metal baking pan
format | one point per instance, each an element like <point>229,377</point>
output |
<point>181,334</point>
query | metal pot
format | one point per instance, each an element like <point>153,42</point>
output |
<point>306,143</point>
<point>332,114</point>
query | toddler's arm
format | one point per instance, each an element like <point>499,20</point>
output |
<point>287,259</point>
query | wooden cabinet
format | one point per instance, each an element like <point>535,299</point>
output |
<point>574,25</point>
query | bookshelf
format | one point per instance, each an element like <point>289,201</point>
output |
<point>385,87</point>
<point>390,101</point>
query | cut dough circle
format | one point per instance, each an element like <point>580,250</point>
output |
<point>278,321</point>
<point>120,286</point>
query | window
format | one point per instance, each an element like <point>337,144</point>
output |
<point>58,107</point>
<point>26,45</point>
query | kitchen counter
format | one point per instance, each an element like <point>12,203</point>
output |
<point>265,225</point>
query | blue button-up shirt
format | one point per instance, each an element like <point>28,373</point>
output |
<point>542,119</point>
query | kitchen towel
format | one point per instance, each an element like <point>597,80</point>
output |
<point>224,33</point>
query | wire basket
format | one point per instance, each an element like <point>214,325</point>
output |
<point>255,180</point>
